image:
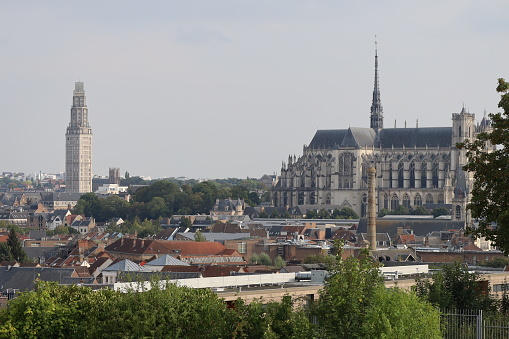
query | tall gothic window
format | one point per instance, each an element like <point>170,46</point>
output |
<point>400,174</point>
<point>424,174</point>
<point>390,174</point>
<point>458,212</point>
<point>441,199</point>
<point>386,201</point>
<point>417,200</point>
<point>345,162</point>
<point>312,198</point>
<point>435,174</point>
<point>364,176</point>
<point>406,201</point>
<point>394,202</point>
<point>429,199</point>
<point>285,199</point>
<point>412,174</point>
<point>328,201</point>
<point>301,198</point>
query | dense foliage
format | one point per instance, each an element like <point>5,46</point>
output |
<point>454,287</point>
<point>419,210</point>
<point>356,304</point>
<point>353,304</point>
<point>344,213</point>
<point>164,198</point>
<point>490,194</point>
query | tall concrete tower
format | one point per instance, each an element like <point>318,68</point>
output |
<point>78,145</point>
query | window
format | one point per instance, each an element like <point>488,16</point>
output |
<point>441,199</point>
<point>424,174</point>
<point>412,174</point>
<point>406,201</point>
<point>417,200</point>
<point>435,175</point>
<point>345,162</point>
<point>458,212</point>
<point>429,198</point>
<point>242,247</point>
<point>394,202</point>
<point>386,201</point>
<point>400,174</point>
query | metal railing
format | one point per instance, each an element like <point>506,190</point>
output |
<point>473,324</point>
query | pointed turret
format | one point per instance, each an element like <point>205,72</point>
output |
<point>377,119</point>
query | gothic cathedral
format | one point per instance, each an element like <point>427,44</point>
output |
<point>414,166</point>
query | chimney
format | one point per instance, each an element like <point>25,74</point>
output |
<point>371,209</point>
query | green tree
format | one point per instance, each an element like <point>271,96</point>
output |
<point>261,259</point>
<point>396,313</point>
<point>349,291</point>
<point>456,288</point>
<point>5,252</point>
<point>490,193</point>
<point>199,237</point>
<point>185,222</point>
<point>279,262</point>
<point>420,210</point>
<point>311,214</point>
<point>16,249</point>
<point>356,304</point>
<point>440,211</point>
<point>263,214</point>
<point>323,214</point>
<point>274,214</point>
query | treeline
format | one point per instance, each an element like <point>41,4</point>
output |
<point>419,210</point>
<point>165,198</point>
<point>353,304</point>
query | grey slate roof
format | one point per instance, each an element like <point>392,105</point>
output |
<point>357,137</point>
<point>125,265</point>
<point>416,137</point>
<point>167,260</point>
<point>22,278</point>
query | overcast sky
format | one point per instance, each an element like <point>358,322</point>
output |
<point>216,89</point>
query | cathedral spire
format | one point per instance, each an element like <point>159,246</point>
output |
<point>377,121</point>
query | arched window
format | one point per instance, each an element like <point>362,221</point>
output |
<point>364,205</point>
<point>386,201</point>
<point>312,198</point>
<point>435,175</point>
<point>424,174</point>
<point>328,201</point>
<point>429,198</point>
<point>458,212</point>
<point>412,174</point>
<point>406,201</point>
<point>400,174</point>
<point>394,201</point>
<point>285,199</point>
<point>440,199</point>
<point>417,200</point>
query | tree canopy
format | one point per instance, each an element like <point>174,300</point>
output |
<point>490,193</point>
